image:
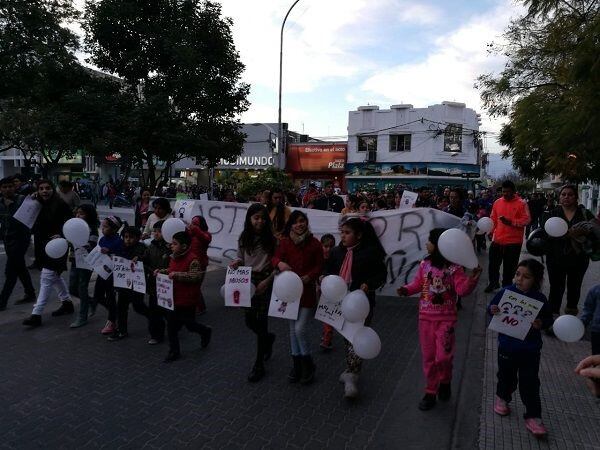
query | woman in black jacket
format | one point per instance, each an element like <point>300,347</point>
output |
<point>48,225</point>
<point>359,259</point>
<point>566,261</point>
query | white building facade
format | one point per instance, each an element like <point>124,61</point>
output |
<point>435,146</point>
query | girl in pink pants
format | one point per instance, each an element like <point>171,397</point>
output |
<point>440,283</point>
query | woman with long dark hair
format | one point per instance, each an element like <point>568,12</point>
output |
<point>142,208</point>
<point>566,261</point>
<point>256,247</point>
<point>48,225</point>
<point>302,253</point>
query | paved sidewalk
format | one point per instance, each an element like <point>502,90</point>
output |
<point>569,411</point>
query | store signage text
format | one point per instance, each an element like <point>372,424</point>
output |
<point>249,161</point>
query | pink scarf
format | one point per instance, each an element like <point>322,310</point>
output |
<point>346,269</point>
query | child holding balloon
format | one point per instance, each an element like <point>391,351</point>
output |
<point>359,260</point>
<point>302,253</point>
<point>439,282</point>
<point>256,247</point>
<point>519,360</point>
<point>79,278</point>
<point>104,293</point>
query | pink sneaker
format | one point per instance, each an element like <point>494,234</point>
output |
<point>109,328</point>
<point>535,425</point>
<point>501,407</point>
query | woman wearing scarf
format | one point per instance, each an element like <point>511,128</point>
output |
<point>302,253</point>
<point>359,260</point>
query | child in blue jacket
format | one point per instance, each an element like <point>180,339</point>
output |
<point>591,317</point>
<point>519,360</point>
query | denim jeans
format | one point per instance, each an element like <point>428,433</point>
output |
<point>79,279</point>
<point>299,339</point>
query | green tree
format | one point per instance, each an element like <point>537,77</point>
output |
<point>50,105</point>
<point>550,90</point>
<point>265,180</point>
<point>178,59</point>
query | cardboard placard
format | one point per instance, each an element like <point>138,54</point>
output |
<point>238,287</point>
<point>28,212</point>
<point>164,291</point>
<point>517,313</point>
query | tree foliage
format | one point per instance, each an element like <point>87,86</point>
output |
<point>550,90</point>
<point>179,62</point>
<point>265,180</point>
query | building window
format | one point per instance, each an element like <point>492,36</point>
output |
<point>453,138</point>
<point>400,142</point>
<point>367,143</point>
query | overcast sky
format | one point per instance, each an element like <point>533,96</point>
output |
<point>341,54</point>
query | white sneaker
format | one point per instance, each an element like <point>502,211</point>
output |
<point>350,381</point>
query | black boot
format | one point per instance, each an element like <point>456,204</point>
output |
<point>444,392</point>
<point>427,402</point>
<point>66,307</point>
<point>308,370</point>
<point>296,371</point>
<point>27,299</point>
<point>172,356</point>
<point>34,320</point>
<point>270,342</point>
<point>205,337</point>
<point>258,371</point>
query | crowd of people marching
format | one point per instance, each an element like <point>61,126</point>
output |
<point>277,238</point>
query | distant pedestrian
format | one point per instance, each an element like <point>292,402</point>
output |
<point>510,215</point>
<point>142,209</point>
<point>329,201</point>
<point>519,360</point>
<point>68,194</point>
<point>591,316</point>
<point>16,237</point>
<point>566,259</point>
<point>439,282</point>
<point>162,210</point>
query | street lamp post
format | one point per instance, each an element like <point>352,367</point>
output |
<point>279,130</point>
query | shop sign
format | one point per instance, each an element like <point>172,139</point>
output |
<point>316,157</point>
<point>261,161</point>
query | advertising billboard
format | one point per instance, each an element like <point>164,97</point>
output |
<point>317,157</point>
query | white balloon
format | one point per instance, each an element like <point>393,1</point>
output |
<point>77,232</point>
<point>222,291</point>
<point>556,227</point>
<point>355,306</point>
<point>57,248</point>
<point>288,286</point>
<point>568,328</point>
<point>366,343</point>
<point>456,247</point>
<point>485,224</point>
<point>334,288</point>
<point>171,227</point>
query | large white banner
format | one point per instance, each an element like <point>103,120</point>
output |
<point>403,233</point>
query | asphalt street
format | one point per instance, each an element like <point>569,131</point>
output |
<point>65,388</point>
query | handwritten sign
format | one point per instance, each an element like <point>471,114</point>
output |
<point>283,310</point>
<point>408,200</point>
<point>28,212</point>
<point>122,273</point>
<point>81,255</point>
<point>517,313</point>
<point>238,287</point>
<point>330,313</point>
<point>164,292</point>
<point>102,264</point>
<point>138,277</point>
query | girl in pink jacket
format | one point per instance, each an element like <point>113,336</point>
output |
<point>439,282</point>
